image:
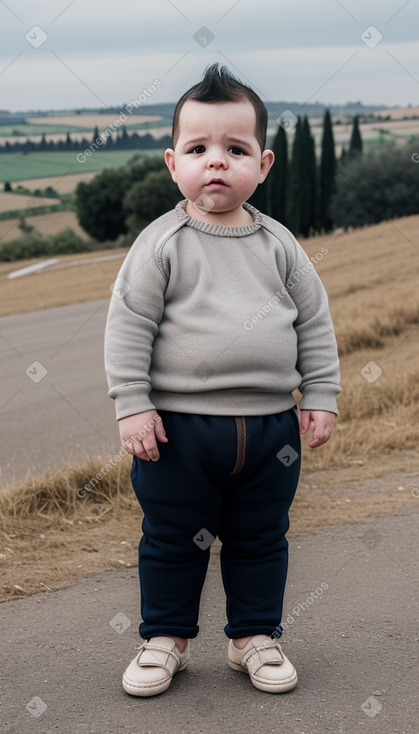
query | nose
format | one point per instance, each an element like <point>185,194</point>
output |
<point>217,163</point>
<point>217,160</point>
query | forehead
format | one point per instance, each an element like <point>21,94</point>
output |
<point>217,118</point>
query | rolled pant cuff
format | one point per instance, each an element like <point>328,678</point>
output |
<point>234,633</point>
<point>186,633</point>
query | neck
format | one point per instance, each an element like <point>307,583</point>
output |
<point>235,218</point>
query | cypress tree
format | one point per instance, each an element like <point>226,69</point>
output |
<point>301,209</point>
<point>259,198</point>
<point>294,189</point>
<point>124,137</point>
<point>355,145</point>
<point>327,174</point>
<point>277,178</point>
<point>309,182</point>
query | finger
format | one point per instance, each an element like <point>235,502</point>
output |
<point>148,429</point>
<point>160,431</point>
<point>127,445</point>
<point>135,449</point>
<point>321,436</point>
<point>305,421</point>
<point>150,446</point>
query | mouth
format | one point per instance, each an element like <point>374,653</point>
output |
<point>216,182</point>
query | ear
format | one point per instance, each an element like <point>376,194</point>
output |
<point>169,159</point>
<point>266,163</point>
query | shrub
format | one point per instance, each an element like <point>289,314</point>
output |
<point>99,205</point>
<point>125,199</point>
<point>379,185</point>
<point>148,199</point>
<point>36,245</point>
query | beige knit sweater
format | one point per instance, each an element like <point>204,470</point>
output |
<point>219,320</point>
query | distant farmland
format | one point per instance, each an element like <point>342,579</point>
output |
<point>395,126</point>
<point>25,129</point>
<point>76,123</point>
<point>16,167</point>
<point>87,122</point>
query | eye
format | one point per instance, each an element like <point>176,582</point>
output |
<point>198,149</point>
<point>237,151</point>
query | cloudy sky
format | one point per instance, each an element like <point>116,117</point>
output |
<point>62,54</point>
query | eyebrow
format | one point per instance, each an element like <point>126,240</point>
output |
<point>194,141</point>
<point>239,141</point>
<point>236,141</point>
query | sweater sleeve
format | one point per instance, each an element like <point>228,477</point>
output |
<point>318,361</point>
<point>135,311</point>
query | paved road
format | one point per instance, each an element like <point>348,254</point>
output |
<point>58,411</point>
<point>354,647</point>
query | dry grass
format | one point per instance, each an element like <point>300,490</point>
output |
<point>43,223</point>
<point>377,418</point>
<point>10,202</point>
<point>61,184</point>
<point>398,112</point>
<point>59,287</point>
<point>371,278</point>
<point>51,537</point>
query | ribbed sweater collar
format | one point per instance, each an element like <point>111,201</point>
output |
<point>217,229</point>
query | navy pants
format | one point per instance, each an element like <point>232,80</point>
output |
<point>234,477</point>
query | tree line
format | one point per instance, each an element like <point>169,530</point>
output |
<point>120,141</point>
<point>311,195</point>
<point>306,193</point>
<point>125,200</point>
<point>299,189</point>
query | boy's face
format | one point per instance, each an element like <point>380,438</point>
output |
<point>217,162</point>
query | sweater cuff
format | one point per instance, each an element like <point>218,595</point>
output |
<point>322,397</point>
<point>131,400</point>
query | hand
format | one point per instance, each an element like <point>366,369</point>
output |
<point>140,432</point>
<point>322,421</point>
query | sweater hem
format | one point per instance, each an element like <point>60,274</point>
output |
<point>225,402</point>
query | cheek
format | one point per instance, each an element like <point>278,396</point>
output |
<point>247,176</point>
<point>188,175</point>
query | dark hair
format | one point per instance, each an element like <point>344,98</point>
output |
<point>219,85</point>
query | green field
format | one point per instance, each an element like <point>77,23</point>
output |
<point>20,167</point>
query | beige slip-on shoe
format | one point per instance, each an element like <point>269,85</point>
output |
<point>263,660</point>
<point>154,666</point>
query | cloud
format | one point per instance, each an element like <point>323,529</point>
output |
<point>159,26</point>
<point>98,51</point>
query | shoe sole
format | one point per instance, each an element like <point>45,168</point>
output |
<point>287,685</point>
<point>149,690</point>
